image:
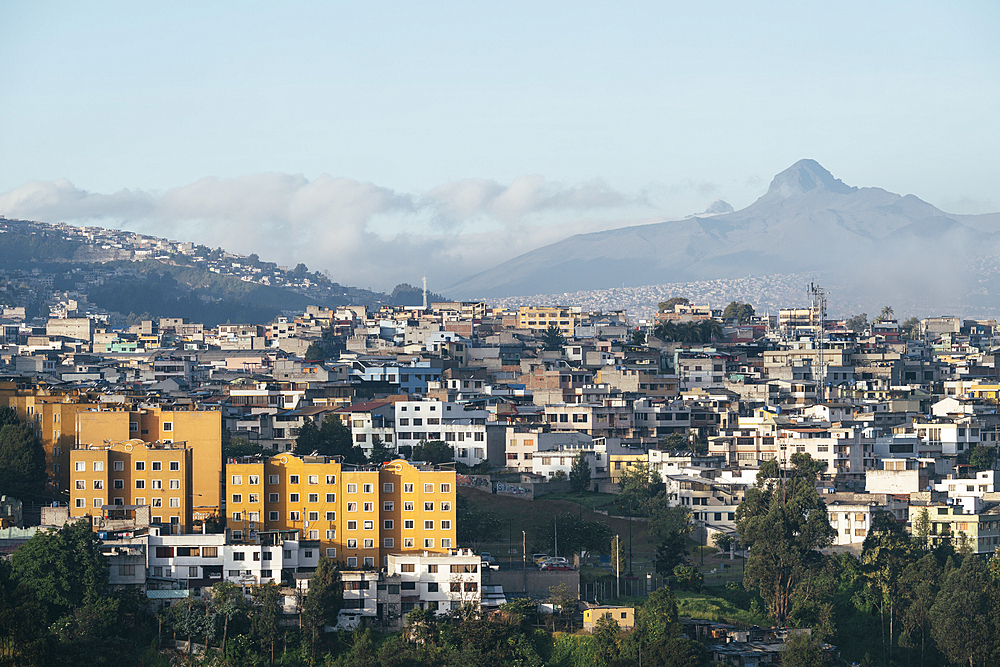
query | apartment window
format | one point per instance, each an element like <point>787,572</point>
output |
<point>239,555</point>
<point>445,506</point>
<point>313,479</point>
<point>446,543</point>
<point>193,572</point>
<point>429,543</point>
<point>446,488</point>
<point>369,543</point>
<point>294,516</point>
<point>156,502</point>
<point>237,498</point>
<point>98,502</point>
<point>407,542</point>
<point>119,484</point>
<point>331,516</point>
<point>272,516</point>
<point>352,488</point>
<point>407,488</point>
<point>209,552</point>
<point>272,479</point>
<point>293,479</point>
<point>388,524</point>
<point>168,426</point>
<point>175,484</point>
<point>331,552</point>
<point>404,421</point>
<point>369,507</point>
<point>272,497</point>
<point>314,497</point>
<point>119,466</point>
<point>387,543</point>
<point>81,484</point>
<point>331,534</point>
<point>293,497</point>
<point>331,497</point>
<point>387,506</point>
<point>237,536</point>
<point>369,525</point>
<point>237,479</point>
<point>428,488</point>
<point>352,525</point>
<point>313,534</point>
<point>81,502</point>
<point>387,487</point>
<point>352,507</point>
<point>446,525</point>
<point>352,543</point>
<point>254,479</point>
<point>352,561</point>
<point>331,479</point>
<point>368,488</point>
<point>140,465</point>
<point>408,506</point>
<point>237,516</point>
<point>314,516</point>
<point>428,507</point>
<point>98,466</point>
<point>408,524</point>
<point>156,484</point>
<point>140,484</point>
<point>157,465</point>
<point>81,466</point>
<point>428,525</point>
<point>141,501</point>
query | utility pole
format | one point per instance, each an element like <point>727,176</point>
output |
<point>524,564</point>
<point>618,566</point>
<point>555,527</point>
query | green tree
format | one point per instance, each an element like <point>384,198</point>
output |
<point>858,324</point>
<point>922,528</point>
<point>982,458</point>
<point>576,534</point>
<point>607,635</point>
<point>675,442</point>
<point>228,602</point>
<point>22,459</point>
<point>911,328</point>
<point>579,474</point>
<point>739,311</point>
<point>553,339</point>
<point>331,438</point>
<point>803,649</point>
<point>668,305</point>
<point>434,451</point>
<point>638,337</point>
<point>887,553</point>
<point>380,453</point>
<point>64,568</point>
<point>783,521</point>
<point>266,615</point>
<point>722,541</point>
<point>666,331</point>
<point>709,330</point>
<point>315,352</point>
<point>964,615</point>
<point>670,528</point>
<point>885,314</point>
<point>323,601</point>
<point>474,524</point>
<point>22,636</point>
<point>637,486</point>
<point>919,588</point>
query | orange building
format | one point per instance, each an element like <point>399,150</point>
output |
<point>357,514</point>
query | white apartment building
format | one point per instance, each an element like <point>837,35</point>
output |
<point>464,429</point>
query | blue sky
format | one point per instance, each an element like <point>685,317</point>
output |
<point>434,129</point>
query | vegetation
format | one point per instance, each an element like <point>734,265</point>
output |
<point>738,310</point>
<point>668,305</point>
<point>434,451</point>
<point>703,331</point>
<point>22,458</point>
<point>553,339</point>
<point>579,474</point>
<point>332,438</point>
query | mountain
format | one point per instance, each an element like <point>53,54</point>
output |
<point>866,243</point>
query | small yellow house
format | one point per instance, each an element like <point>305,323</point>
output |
<point>624,616</point>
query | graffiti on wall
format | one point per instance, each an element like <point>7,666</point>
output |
<point>512,489</point>
<point>475,481</point>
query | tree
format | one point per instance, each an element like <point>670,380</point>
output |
<point>709,330</point>
<point>606,640</point>
<point>475,525</point>
<point>982,458</point>
<point>553,339</point>
<point>637,485</point>
<point>579,474</point>
<point>858,323</point>
<point>668,305</point>
<point>964,615</point>
<point>666,331</point>
<point>22,459</point>
<point>638,337</point>
<point>675,442</point>
<point>722,541</point>
<point>266,615</point>
<point>783,521</point>
<point>228,602</point>
<point>739,311</point>
<point>886,314</point>
<point>911,328</point>
<point>323,601</point>
<point>380,453</point>
<point>919,586</point>
<point>331,438</point>
<point>315,352</point>
<point>564,598</point>
<point>803,649</point>
<point>434,451</point>
<point>558,476</point>
<point>671,529</point>
<point>887,552</point>
<point>64,568</point>
<point>577,534</point>
<point>922,528</point>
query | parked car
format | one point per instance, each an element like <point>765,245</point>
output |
<point>555,566</point>
<point>554,560</point>
<point>538,558</point>
<point>486,557</point>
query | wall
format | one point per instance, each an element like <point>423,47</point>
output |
<point>532,581</point>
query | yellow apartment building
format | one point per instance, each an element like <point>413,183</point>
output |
<point>134,472</point>
<point>357,514</point>
<point>540,318</point>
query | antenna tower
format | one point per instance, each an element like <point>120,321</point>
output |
<point>817,297</point>
<point>425,294</point>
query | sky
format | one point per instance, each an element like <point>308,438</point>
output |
<point>386,141</point>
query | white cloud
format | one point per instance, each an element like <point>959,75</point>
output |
<point>339,224</point>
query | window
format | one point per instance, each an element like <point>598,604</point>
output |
<point>81,502</point>
<point>428,525</point>
<point>331,497</point>
<point>313,516</point>
<point>314,497</point>
<point>209,552</point>
<point>293,497</point>
<point>387,543</point>
<point>272,479</point>
<point>272,497</point>
<point>446,488</point>
<point>254,479</point>
<point>429,543</point>
<point>176,484</point>
<point>369,543</point>
<point>313,479</point>
<point>446,543</point>
<point>428,488</point>
<point>408,524</point>
<point>81,466</point>
<point>193,572</point>
<point>238,537</point>
<point>98,484</point>
<point>369,507</point>
<point>387,487</point>
<point>331,516</point>
<point>352,561</point>
<point>352,507</point>
<point>352,525</point>
<point>432,587</point>
<point>81,484</point>
<point>428,507</point>
<point>455,587</point>
<point>140,484</point>
<point>404,421</point>
<point>140,465</point>
<point>407,567</point>
<point>464,569</point>
<point>407,542</point>
<point>445,506</point>
<point>157,465</point>
<point>407,488</point>
<point>352,543</point>
<point>119,484</point>
<point>168,426</point>
<point>313,534</point>
<point>156,502</point>
<point>119,466</point>
<point>156,484</point>
<point>331,479</point>
<point>293,516</point>
<point>388,524</point>
<point>408,506</point>
<point>293,479</point>
<point>352,488</point>
<point>239,555</point>
<point>368,488</point>
<point>140,501</point>
<point>272,516</point>
<point>331,552</point>
<point>237,479</point>
<point>98,466</point>
<point>387,506</point>
<point>331,534</point>
<point>446,525</point>
<point>237,498</point>
<point>237,516</point>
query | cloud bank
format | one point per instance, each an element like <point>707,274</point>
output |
<point>364,234</point>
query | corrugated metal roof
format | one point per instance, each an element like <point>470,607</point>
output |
<point>168,594</point>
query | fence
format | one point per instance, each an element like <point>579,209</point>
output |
<point>601,591</point>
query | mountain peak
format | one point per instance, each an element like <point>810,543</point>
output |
<point>717,207</point>
<point>803,176</point>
